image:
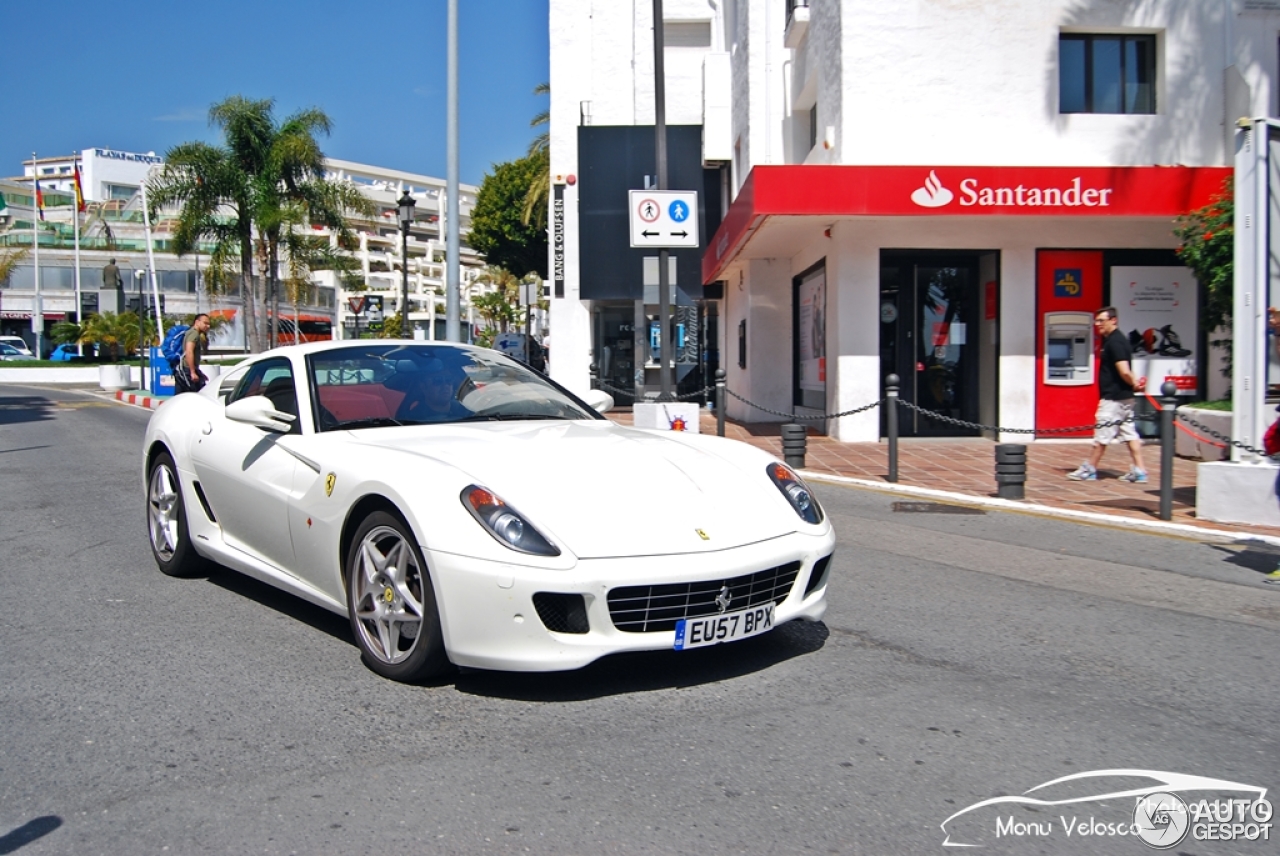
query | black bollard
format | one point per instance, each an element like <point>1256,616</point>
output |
<point>720,375</point>
<point>1011,470</point>
<point>891,422</point>
<point>1169,403</point>
<point>793,444</point>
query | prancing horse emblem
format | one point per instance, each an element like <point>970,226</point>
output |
<point>722,599</point>
<point>328,483</point>
<point>703,535</point>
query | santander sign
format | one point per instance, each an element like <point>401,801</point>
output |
<point>973,193</point>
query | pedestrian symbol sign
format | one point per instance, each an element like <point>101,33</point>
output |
<point>664,218</point>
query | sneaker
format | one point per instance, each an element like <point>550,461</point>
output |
<point>1273,577</point>
<point>1083,473</point>
<point>1135,476</point>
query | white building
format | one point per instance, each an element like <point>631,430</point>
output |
<point>105,174</point>
<point>912,187</point>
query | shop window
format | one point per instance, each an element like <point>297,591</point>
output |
<point>1106,73</point>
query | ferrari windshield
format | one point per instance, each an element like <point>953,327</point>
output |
<point>375,385</point>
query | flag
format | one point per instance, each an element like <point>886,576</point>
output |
<point>79,191</point>
<point>39,199</point>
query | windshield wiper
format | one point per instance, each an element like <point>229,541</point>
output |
<point>510,417</point>
<point>374,422</point>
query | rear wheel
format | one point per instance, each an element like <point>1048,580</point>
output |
<point>167,521</point>
<point>391,603</point>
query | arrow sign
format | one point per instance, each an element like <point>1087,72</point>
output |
<point>663,218</point>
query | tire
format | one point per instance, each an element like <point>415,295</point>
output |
<point>391,602</point>
<point>167,521</point>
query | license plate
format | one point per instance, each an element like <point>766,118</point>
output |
<point>729,627</point>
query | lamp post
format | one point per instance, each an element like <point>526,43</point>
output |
<point>406,203</point>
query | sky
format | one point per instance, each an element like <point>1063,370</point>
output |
<point>140,75</point>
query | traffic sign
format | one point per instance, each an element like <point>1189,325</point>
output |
<point>664,218</point>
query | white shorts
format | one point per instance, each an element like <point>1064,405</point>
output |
<point>1110,411</point>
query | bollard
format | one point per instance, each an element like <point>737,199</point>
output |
<point>1011,470</point>
<point>720,375</point>
<point>891,422</point>
<point>1169,403</point>
<point>793,444</point>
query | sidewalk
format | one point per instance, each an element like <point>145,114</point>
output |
<point>960,469</point>
<point>965,468</point>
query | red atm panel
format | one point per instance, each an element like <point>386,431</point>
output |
<point>1067,281</point>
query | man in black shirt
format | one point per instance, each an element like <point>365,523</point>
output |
<point>1116,385</point>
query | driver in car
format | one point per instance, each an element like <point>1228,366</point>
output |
<point>432,395</point>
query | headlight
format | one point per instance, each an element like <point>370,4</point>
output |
<point>796,492</point>
<point>505,523</point>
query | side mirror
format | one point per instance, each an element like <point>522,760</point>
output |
<point>599,400</point>
<point>257,410</point>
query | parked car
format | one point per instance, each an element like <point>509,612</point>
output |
<point>19,344</point>
<point>9,352</point>
<point>65,354</point>
<point>460,508</point>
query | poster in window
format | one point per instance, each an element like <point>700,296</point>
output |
<point>1158,312</point>
<point>812,332</point>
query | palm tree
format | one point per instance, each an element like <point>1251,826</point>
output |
<point>242,190</point>
<point>535,201</point>
<point>9,259</point>
<point>115,335</point>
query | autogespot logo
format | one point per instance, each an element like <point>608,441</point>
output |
<point>1164,813</point>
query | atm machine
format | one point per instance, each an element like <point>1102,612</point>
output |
<point>1068,349</point>
<point>1069,290</point>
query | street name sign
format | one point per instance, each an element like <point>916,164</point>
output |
<point>664,218</point>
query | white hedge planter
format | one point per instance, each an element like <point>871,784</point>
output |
<point>1187,446</point>
<point>114,377</point>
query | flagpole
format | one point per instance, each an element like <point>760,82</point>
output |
<point>75,215</point>
<point>151,259</point>
<point>37,306</point>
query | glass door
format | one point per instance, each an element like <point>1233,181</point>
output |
<point>929,338</point>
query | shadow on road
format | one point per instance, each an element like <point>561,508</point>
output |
<point>28,832</point>
<point>25,408</point>
<point>620,674</point>
<point>286,604</point>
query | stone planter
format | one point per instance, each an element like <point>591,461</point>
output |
<point>1186,446</point>
<point>114,376</point>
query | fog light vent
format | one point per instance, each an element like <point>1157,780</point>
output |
<point>562,613</point>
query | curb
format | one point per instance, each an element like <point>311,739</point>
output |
<point>1158,527</point>
<point>141,399</point>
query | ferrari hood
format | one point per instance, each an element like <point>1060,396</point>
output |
<point>604,490</point>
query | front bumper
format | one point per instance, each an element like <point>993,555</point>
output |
<point>489,620</point>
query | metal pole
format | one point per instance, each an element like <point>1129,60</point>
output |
<point>891,422</point>
<point>720,376</point>
<point>1169,401</point>
<point>666,356</point>
<point>37,304</point>
<point>151,259</point>
<point>75,219</point>
<point>452,331</point>
<point>404,281</point>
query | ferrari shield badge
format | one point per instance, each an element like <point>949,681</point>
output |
<point>703,535</point>
<point>328,483</point>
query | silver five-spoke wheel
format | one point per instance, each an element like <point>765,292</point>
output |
<point>162,512</point>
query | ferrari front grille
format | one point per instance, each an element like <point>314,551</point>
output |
<point>645,609</point>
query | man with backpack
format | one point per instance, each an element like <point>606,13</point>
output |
<point>187,376</point>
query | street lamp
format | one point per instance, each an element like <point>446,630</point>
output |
<point>406,203</point>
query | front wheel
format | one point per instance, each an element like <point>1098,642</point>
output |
<point>167,521</point>
<point>391,603</point>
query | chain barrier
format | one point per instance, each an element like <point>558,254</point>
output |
<point>950,420</point>
<point>688,396</point>
<point>802,417</point>
<point>1220,437</point>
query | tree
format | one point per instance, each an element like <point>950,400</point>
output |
<point>534,212</point>
<point>115,335</point>
<point>9,259</point>
<point>1207,247</point>
<point>497,230</point>
<point>263,182</point>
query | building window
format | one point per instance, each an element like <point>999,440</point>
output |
<point>686,34</point>
<point>1106,73</point>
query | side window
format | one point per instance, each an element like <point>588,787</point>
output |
<point>272,378</point>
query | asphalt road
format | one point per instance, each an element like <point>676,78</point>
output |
<point>963,657</point>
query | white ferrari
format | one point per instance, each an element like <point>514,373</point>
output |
<point>461,508</point>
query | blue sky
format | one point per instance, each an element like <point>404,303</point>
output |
<point>139,75</point>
